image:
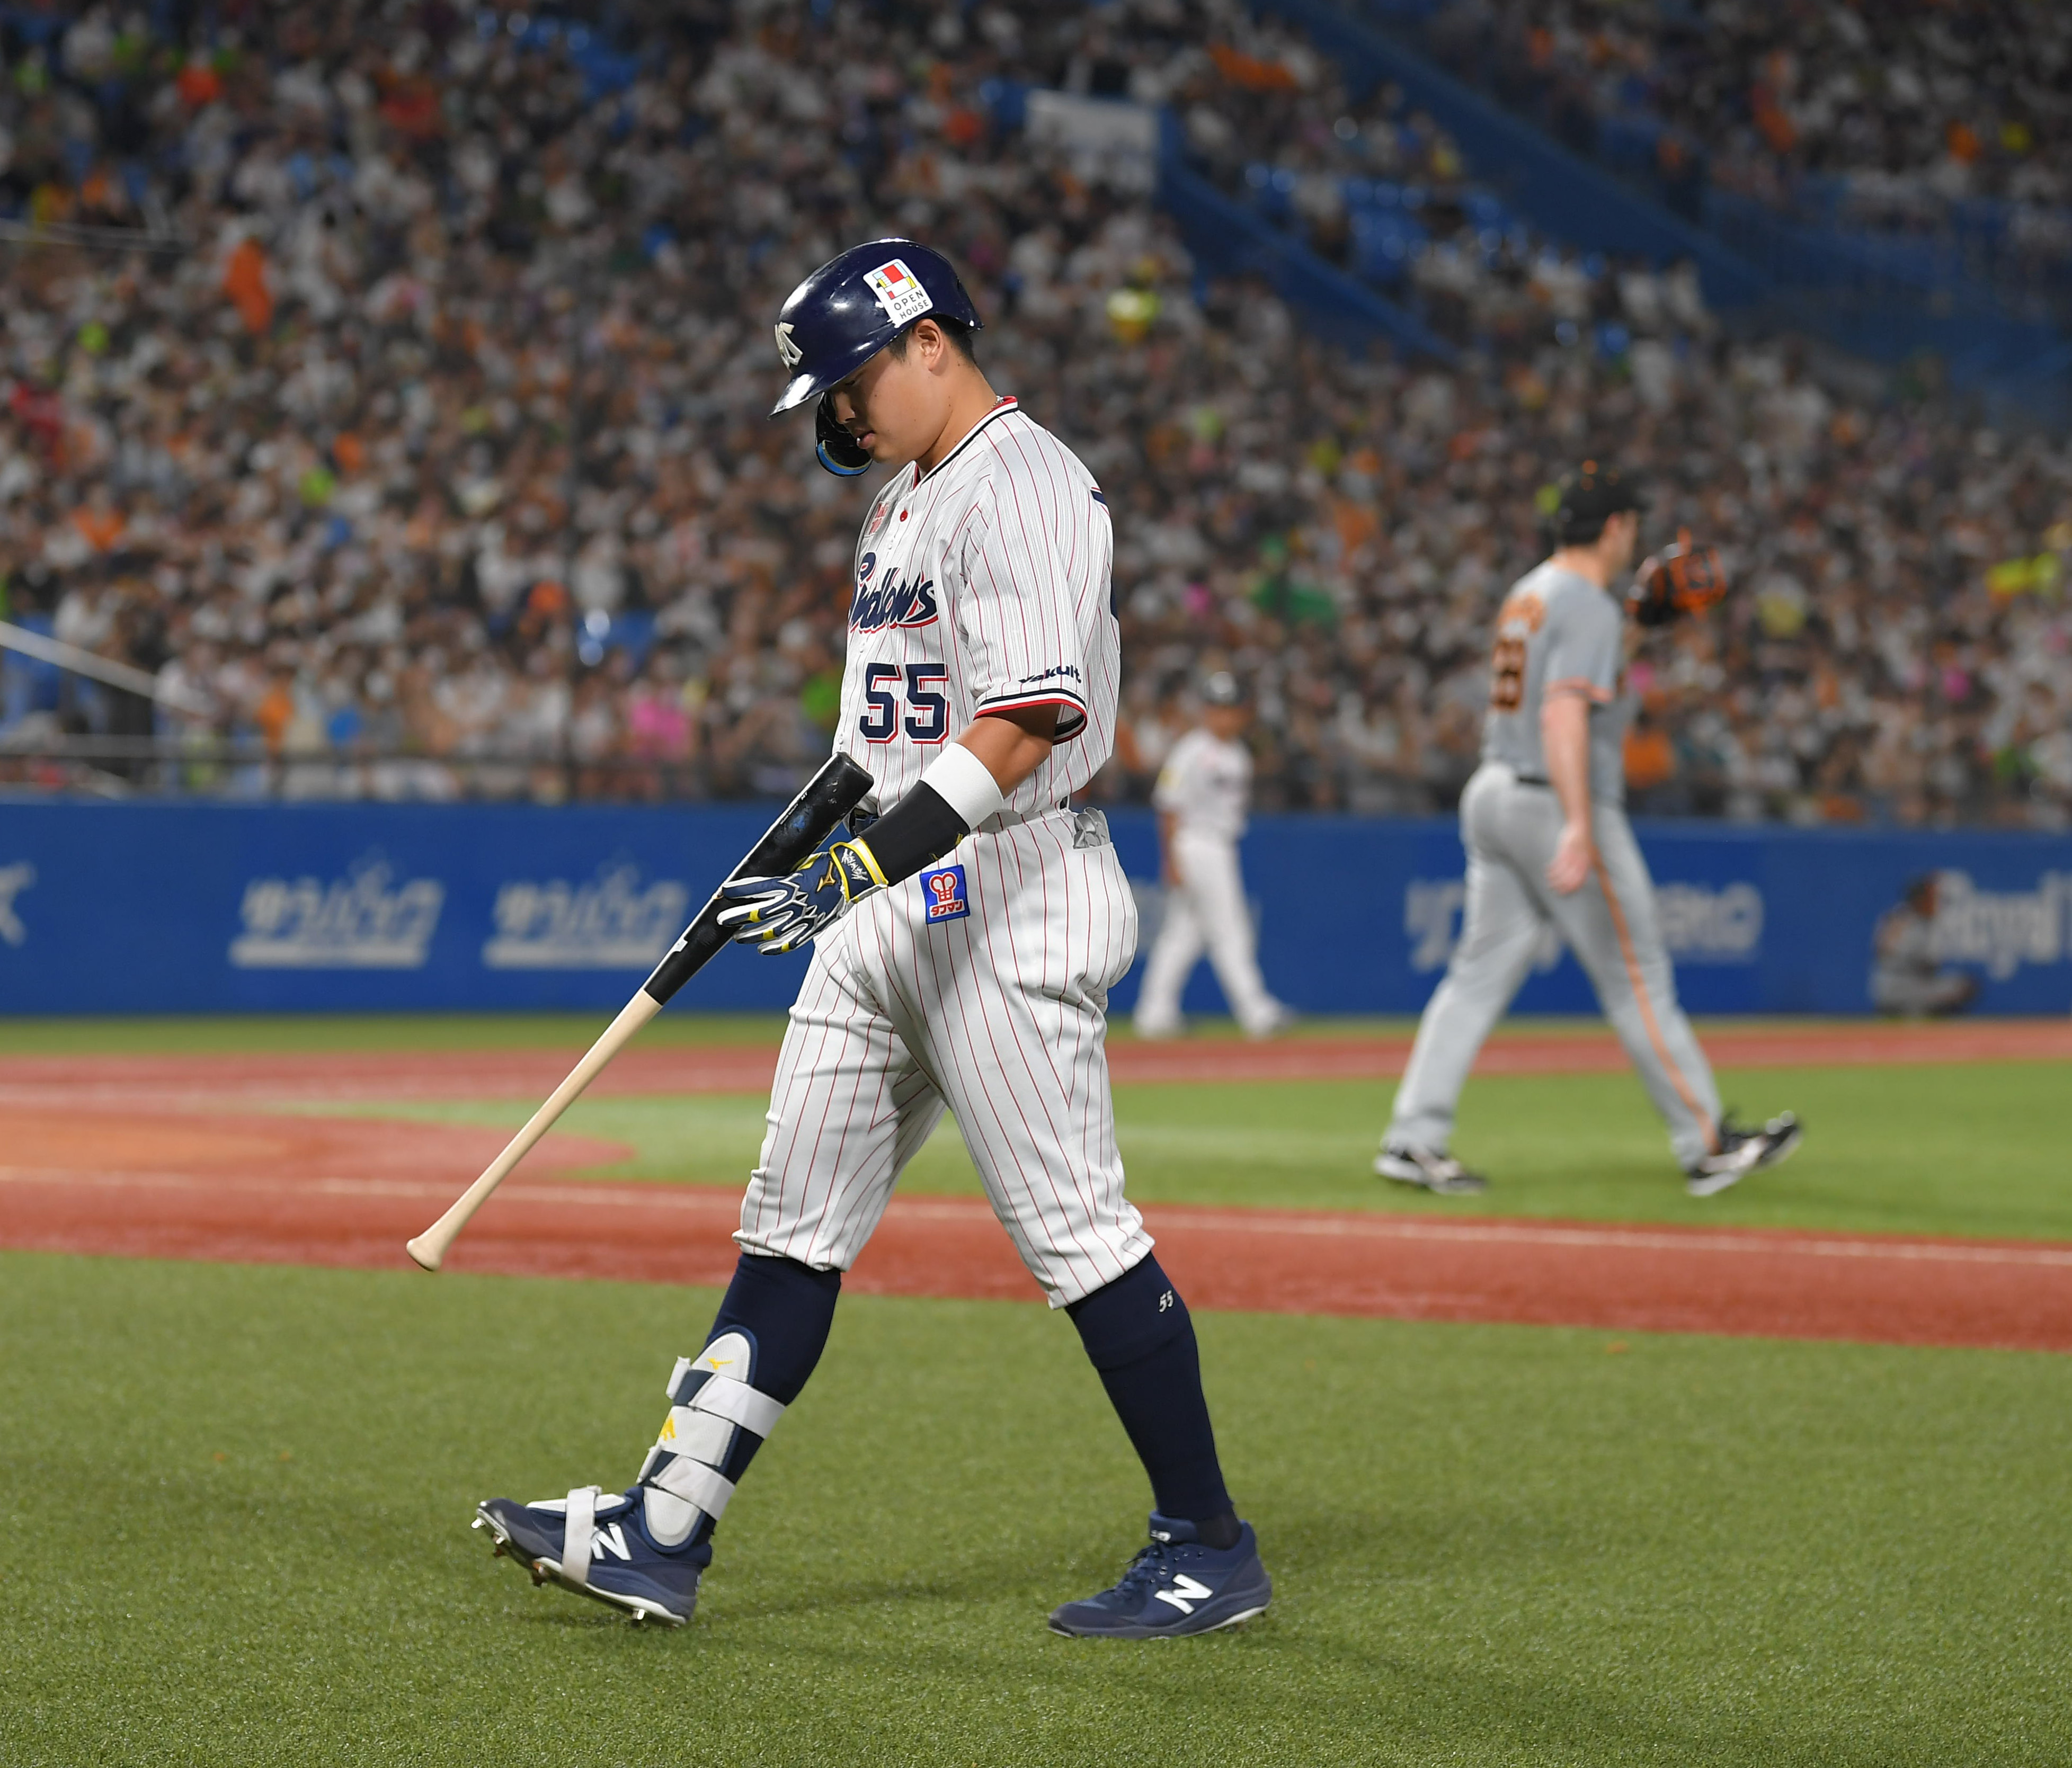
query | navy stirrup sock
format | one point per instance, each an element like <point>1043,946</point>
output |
<point>787,1308</point>
<point>1139,1336</point>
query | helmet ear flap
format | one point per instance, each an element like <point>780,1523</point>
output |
<point>840,453</point>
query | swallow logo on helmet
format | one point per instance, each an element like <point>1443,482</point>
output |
<point>792,354</point>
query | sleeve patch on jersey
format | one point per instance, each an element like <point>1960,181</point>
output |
<point>942,889</point>
<point>1054,694</point>
<point>1072,709</point>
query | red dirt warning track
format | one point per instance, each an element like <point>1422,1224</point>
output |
<point>170,1156</point>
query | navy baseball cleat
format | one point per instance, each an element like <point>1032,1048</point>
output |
<point>594,1545</point>
<point>1177,1585</point>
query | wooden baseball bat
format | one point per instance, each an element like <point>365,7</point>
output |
<point>831,794</point>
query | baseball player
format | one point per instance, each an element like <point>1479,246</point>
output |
<point>1909,979</point>
<point>965,934</point>
<point>1543,821</point>
<point>1200,798</point>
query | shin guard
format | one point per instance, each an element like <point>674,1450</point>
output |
<point>713,1404</point>
<point>769,1333</point>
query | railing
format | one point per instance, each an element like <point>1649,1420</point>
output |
<point>188,754</point>
<point>1570,197</point>
<point>202,765</point>
<point>1229,239</point>
<point>2013,258</point>
<point>1894,292</point>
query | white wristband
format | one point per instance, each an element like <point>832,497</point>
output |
<point>966,783</point>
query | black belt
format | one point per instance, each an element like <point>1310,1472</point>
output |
<point>1532,779</point>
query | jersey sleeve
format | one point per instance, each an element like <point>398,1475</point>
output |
<point>1018,625</point>
<point>1171,792</point>
<point>1585,647</point>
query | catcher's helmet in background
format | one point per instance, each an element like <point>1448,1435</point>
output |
<point>847,311</point>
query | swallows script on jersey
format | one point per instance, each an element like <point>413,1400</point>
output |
<point>890,601</point>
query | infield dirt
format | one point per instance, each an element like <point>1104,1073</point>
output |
<point>175,1156</point>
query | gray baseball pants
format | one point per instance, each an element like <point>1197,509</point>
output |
<point>1511,830</point>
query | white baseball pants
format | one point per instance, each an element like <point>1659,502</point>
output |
<point>1206,910</point>
<point>1000,1016</point>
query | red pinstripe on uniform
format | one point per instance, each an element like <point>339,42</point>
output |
<point>1000,1016</point>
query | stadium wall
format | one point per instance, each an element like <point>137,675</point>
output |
<point>215,906</point>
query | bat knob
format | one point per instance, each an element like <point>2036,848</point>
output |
<point>424,1252</point>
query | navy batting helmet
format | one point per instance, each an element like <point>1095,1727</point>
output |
<point>847,311</point>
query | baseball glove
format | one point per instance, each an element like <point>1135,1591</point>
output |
<point>1679,579</point>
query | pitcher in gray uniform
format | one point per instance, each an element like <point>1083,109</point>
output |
<point>1543,820</point>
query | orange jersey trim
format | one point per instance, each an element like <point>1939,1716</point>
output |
<point>1654,1037</point>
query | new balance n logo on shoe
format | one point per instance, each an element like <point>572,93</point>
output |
<point>611,1540</point>
<point>1185,1593</point>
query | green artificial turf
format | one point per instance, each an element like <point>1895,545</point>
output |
<point>235,1501</point>
<point>1975,1149</point>
<point>1970,1149</point>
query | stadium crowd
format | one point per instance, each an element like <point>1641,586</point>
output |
<point>440,463</point>
<point>1914,102</point>
<point>1371,184</point>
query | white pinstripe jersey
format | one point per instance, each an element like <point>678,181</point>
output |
<point>980,586</point>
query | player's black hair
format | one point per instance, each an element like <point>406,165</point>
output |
<point>1570,531</point>
<point>1585,500</point>
<point>959,334</point>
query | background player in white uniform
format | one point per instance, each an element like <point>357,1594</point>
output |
<point>965,938</point>
<point>1543,820</point>
<point>1200,798</point>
